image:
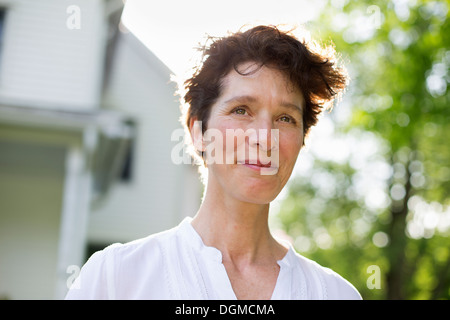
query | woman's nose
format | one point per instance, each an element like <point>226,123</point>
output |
<point>264,135</point>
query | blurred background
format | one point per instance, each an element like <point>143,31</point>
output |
<point>88,106</point>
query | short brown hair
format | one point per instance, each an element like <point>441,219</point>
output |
<point>311,68</point>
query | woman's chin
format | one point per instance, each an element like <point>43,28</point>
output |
<point>258,194</point>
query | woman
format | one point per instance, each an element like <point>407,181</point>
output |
<point>257,93</point>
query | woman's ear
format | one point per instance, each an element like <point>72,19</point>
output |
<point>195,128</point>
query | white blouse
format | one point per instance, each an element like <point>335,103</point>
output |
<point>176,264</point>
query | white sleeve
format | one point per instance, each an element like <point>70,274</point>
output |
<point>92,282</point>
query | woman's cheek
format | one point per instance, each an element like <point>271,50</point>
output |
<point>290,145</point>
<point>224,142</point>
<point>232,138</point>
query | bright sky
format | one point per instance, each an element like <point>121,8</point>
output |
<point>173,28</point>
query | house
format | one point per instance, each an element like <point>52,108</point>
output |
<point>86,117</point>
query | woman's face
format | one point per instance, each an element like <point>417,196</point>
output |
<point>260,113</point>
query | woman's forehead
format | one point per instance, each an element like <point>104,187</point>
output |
<point>253,80</point>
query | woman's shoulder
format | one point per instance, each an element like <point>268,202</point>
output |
<point>108,272</point>
<point>323,282</point>
<point>146,247</point>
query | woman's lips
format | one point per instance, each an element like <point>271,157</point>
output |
<point>256,164</point>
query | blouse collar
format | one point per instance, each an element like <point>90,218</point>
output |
<point>191,237</point>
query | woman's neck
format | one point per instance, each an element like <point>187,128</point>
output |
<point>238,229</point>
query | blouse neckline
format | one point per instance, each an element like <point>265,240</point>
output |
<point>192,237</point>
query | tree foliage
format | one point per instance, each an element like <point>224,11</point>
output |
<point>387,202</point>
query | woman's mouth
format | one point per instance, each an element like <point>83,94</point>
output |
<point>257,165</point>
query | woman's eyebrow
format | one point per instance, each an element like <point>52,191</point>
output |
<point>241,99</point>
<point>292,106</point>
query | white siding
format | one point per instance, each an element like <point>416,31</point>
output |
<point>160,193</point>
<point>46,64</point>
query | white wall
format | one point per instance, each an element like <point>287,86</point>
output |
<point>46,64</point>
<point>160,193</point>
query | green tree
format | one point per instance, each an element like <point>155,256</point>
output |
<point>387,203</point>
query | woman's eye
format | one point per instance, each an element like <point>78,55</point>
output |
<point>240,111</point>
<point>286,119</point>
